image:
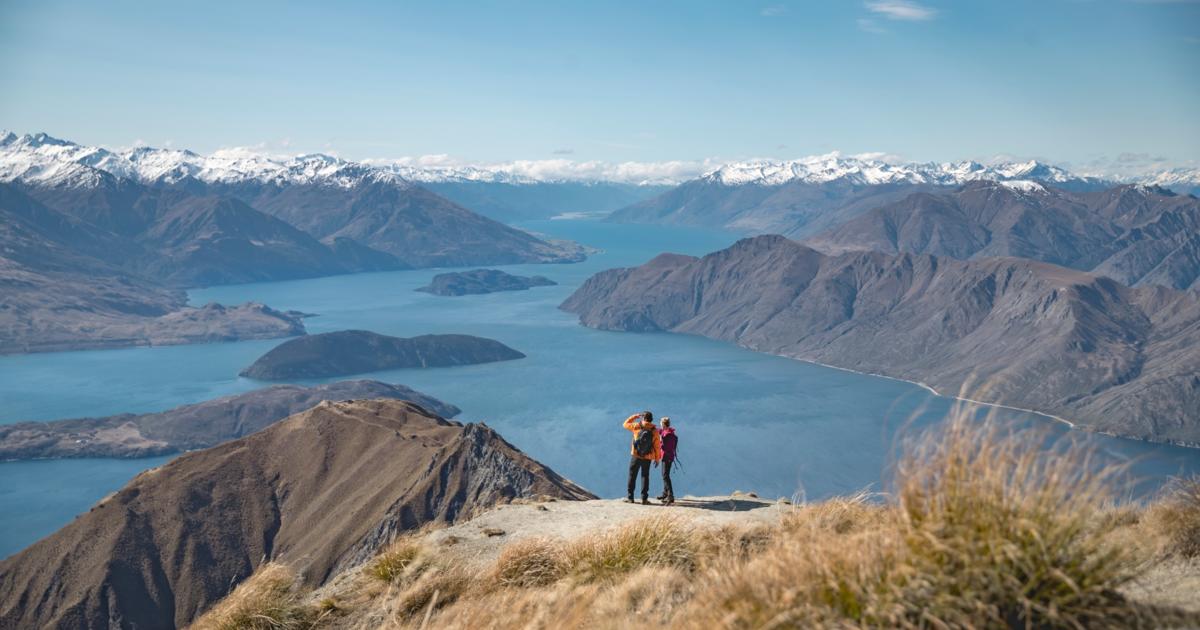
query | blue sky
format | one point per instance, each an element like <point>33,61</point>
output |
<point>1069,80</point>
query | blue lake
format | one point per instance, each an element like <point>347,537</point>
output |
<point>747,421</point>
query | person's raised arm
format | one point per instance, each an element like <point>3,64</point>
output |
<point>632,422</point>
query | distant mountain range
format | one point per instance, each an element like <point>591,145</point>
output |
<point>257,179</point>
<point>803,197</point>
<point>1133,233</point>
<point>1004,330</point>
<point>390,221</point>
<point>92,242</point>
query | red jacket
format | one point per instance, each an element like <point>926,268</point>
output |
<point>634,424</point>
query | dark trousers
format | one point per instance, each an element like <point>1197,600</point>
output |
<point>668,490</point>
<point>638,464</point>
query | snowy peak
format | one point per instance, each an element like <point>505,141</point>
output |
<point>871,172</point>
<point>45,160</point>
<point>1023,185</point>
<point>815,169</point>
<point>1186,180</point>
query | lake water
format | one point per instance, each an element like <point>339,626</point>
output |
<point>747,421</point>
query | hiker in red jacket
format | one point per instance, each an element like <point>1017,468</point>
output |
<point>647,447</point>
<point>669,443</point>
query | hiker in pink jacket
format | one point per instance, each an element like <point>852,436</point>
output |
<point>669,443</point>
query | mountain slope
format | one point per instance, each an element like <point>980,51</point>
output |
<point>194,238</point>
<point>190,427</point>
<point>58,297</point>
<point>1135,234</point>
<point>203,241</point>
<point>178,538</point>
<point>1001,330</point>
<point>406,221</point>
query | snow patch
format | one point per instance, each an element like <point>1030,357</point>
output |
<point>1023,185</point>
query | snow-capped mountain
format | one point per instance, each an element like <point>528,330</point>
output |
<point>820,169</point>
<point>44,160</point>
<point>1181,180</point>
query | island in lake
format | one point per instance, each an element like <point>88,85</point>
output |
<point>480,281</point>
<point>358,351</point>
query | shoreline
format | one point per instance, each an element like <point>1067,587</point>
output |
<point>935,392</point>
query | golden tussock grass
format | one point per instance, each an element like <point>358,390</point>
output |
<point>268,600</point>
<point>531,562</point>
<point>1176,517</point>
<point>395,560</point>
<point>657,541</point>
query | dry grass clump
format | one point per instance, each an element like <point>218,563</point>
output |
<point>651,594</point>
<point>434,589</point>
<point>396,560</point>
<point>268,600</point>
<point>1176,517</point>
<point>531,562</point>
<point>839,515</point>
<point>996,531</point>
<point>657,541</point>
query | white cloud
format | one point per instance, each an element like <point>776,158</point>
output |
<point>905,10</point>
<point>773,10</point>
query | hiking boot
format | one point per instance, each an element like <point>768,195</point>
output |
<point>629,499</point>
<point>645,501</point>
<point>662,497</point>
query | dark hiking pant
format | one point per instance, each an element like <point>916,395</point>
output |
<point>668,490</point>
<point>637,464</point>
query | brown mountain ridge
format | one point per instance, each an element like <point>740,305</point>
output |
<point>322,490</point>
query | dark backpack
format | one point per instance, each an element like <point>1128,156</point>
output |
<point>643,444</point>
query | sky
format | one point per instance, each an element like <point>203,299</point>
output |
<point>1071,81</point>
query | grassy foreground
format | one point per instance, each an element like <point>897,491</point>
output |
<point>980,530</point>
